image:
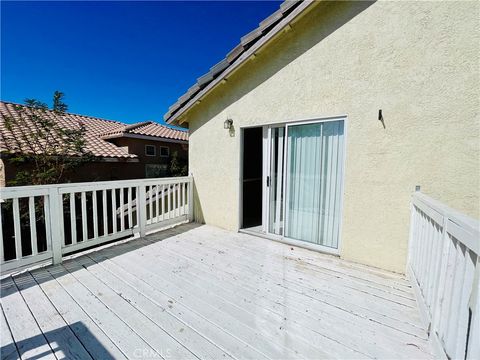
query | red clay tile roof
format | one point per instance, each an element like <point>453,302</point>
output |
<point>96,129</point>
<point>148,128</point>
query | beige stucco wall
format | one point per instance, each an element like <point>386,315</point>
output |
<point>417,61</point>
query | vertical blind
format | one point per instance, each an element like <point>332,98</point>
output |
<point>314,182</point>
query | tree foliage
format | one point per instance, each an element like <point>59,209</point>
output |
<point>178,167</point>
<point>43,149</point>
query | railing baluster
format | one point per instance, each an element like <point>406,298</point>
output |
<point>162,203</point>
<point>190,200</point>
<point>122,214</point>
<point>95,214</point>
<point>84,216</point>
<point>142,210</point>
<point>137,204</point>
<point>150,204</point>
<point>170,202</point>
<point>2,258</point>
<point>73,218</point>
<point>17,230</point>
<point>174,202</point>
<point>33,225</point>
<point>46,218</point>
<point>104,212</point>
<point>157,198</point>
<point>114,210</point>
<point>129,199</point>
<point>177,192</point>
<point>55,217</point>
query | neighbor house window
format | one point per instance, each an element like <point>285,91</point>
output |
<point>156,170</point>
<point>150,150</point>
<point>164,151</point>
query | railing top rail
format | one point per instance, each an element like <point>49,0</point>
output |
<point>437,210</point>
<point>37,190</point>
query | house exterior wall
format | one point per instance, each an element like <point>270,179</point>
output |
<point>94,171</point>
<point>111,170</point>
<point>137,147</point>
<point>417,61</point>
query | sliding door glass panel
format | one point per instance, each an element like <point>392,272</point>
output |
<point>314,182</point>
<point>277,146</point>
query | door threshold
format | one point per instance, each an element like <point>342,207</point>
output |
<point>257,231</point>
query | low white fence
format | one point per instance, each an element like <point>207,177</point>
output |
<point>43,223</point>
<point>444,268</point>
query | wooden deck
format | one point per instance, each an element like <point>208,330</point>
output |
<point>201,292</point>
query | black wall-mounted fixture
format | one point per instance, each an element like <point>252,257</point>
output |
<point>380,118</point>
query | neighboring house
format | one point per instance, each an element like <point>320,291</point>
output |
<point>121,151</point>
<point>335,112</point>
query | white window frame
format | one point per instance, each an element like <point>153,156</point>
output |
<point>168,151</point>
<point>154,150</point>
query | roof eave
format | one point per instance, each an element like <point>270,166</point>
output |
<point>145,137</point>
<point>173,118</point>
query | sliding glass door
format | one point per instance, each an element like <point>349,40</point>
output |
<point>314,174</point>
<point>304,182</point>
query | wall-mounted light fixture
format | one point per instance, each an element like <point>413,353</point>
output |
<point>227,124</point>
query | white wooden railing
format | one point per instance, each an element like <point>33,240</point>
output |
<point>443,265</point>
<point>43,223</point>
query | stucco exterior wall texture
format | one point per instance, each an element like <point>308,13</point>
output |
<point>417,61</point>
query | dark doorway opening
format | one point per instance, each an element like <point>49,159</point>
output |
<point>252,177</point>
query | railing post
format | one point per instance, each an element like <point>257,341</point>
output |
<point>142,210</point>
<point>56,224</point>
<point>190,200</point>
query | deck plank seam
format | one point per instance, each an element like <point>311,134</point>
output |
<point>10,331</point>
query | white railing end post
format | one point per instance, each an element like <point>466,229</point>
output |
<point>56,228</point>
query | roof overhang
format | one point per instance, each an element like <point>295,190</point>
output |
<point>194,96</point>
<point>144,137</point>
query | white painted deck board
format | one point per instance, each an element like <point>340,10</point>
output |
<point>201,292</point>
<point>9,350</point>
<point>97,343</point>
<point>60,337</point>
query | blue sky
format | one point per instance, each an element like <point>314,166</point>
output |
<point>126,61</point>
